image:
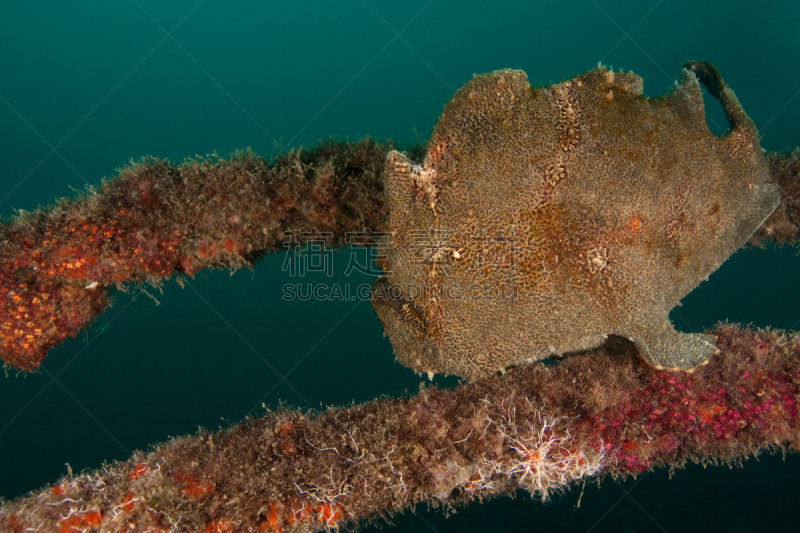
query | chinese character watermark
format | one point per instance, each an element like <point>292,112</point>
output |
<point>308,252</point>
<point>432,246</point>
<point>374,246</point>
<point>486,265</point>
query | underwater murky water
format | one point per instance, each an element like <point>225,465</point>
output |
<point>85,87</point>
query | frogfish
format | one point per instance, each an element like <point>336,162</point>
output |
<point>544,219</point>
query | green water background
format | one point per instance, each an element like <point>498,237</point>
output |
<point>103,83</point>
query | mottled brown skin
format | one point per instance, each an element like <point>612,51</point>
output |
<point>545,219</point>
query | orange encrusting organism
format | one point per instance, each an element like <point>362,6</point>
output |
<point>155,220</point>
